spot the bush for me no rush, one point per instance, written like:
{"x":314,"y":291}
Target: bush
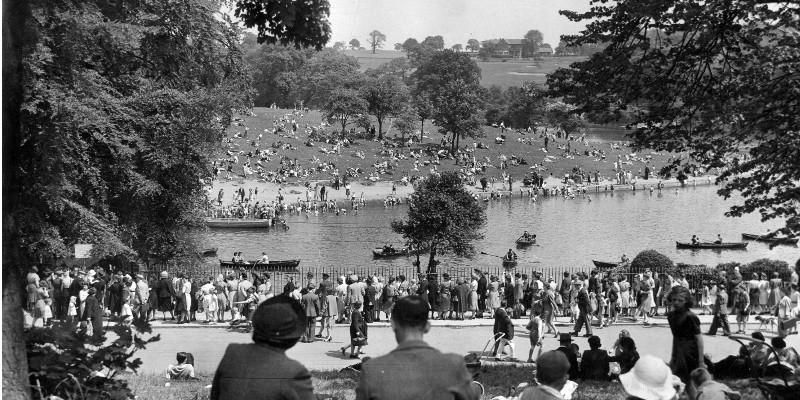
{"x":699,"y":275}
{"x":65,"y":363}
{"x":767,"y":266}
{"x":652,"y":260}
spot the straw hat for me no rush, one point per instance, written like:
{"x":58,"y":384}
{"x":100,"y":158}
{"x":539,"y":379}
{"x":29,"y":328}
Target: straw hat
{"x":649,"y":379}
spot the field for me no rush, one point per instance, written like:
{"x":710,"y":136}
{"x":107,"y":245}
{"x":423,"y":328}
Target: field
{"x":528,"y":147}
{"x":502,"y":73}
{"x":341,"y":385}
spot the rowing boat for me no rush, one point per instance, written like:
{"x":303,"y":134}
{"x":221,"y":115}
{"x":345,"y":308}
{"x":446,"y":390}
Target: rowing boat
{"x":380,"y":252}
{"x":605,"y":265}
{"x":210,"y":252}
{"x":710,"y":245}
{"x":509,"y":263}
{"x":772,"y":240}
{"x":277,"y":265}
{"x":525,"y":242}
{"x":230,"y":223}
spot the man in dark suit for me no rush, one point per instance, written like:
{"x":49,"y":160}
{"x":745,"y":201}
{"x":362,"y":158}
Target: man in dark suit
{"x":310,"y":303}
{"x":261,"y":370}
{"x":584,"y":308}
{"x":566,"y":286}
{"x":483,"y":286}
{"x":594,"y":362}
{"x":414,"y":370}
{"x":720,"y":310}
{"x":565,"y":340}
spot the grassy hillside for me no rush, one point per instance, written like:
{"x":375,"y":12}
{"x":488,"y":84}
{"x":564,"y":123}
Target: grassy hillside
{"x":502,"y":73}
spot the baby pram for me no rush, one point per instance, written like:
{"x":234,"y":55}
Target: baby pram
{"x":487,"y":358}
{"x":775,"y":379}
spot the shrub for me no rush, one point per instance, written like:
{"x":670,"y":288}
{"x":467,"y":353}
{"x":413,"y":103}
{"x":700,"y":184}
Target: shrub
{"x":767,"y":266}
{"x":65,"y":363}
{"x":652,"y":260}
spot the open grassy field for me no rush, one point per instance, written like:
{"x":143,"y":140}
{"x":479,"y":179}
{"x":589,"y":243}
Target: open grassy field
{"x":528,"y":147}
{"x":342,"y":385}
{"x":503,"y":73}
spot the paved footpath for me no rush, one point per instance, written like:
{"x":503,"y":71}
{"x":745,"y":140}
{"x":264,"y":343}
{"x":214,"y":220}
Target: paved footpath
{"x":208,"y":343}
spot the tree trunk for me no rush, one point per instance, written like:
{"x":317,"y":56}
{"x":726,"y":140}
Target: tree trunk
{"x":344,"y":125}
{"x":432,"y":262}
{"x":421,"y":129}
{"x":380,"y":128}
{"x":16,"y":14}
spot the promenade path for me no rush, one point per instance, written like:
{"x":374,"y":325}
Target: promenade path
{"x":208,"y":343}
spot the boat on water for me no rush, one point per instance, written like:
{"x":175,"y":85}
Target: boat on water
{"x":711,"y":245}
{"x":605,"y":264}
{"x":522,"y":241}
{"x":383,"y":252}
{"x":277,"y":265}
{"x":240,"y":223}
{"x":210,"y":252}
{"x":771,"y":240}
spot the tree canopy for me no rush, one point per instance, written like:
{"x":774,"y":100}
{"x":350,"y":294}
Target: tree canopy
{"x":443,"y":217}
{"x":451,"y":82}
{"x":473,"y":45}
{"x":385,"y":96}
{"x":343,"y":104}
{"x":355,"y":44}
{"x":718,"y":79}
{"x":301,"y":23}
{"x":376,"y":40}
{"x":533,"y":40}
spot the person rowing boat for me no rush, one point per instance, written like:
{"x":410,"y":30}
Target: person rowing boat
{"x":528,"y":236}
{"x":510,"y":256}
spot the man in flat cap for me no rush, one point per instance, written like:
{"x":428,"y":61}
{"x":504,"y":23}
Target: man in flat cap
{"x":261,"y":370}
{"x":414,"y":370}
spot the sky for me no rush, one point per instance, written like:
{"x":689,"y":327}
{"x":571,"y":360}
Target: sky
{"x":456,"y":20}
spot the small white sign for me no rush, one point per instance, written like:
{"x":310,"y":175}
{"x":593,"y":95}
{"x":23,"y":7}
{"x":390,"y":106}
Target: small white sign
{"x":83,"y":250}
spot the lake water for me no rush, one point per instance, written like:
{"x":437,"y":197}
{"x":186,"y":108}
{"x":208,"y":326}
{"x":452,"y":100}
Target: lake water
{"x":570,"y":233}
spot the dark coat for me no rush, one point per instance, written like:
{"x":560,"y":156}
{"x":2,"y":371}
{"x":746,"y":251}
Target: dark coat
{"x":594,"y":365}
{"x":260,"y":371}
{"x":310,"y":302}
{"x":422,"y":290}
{"x":415,"y":370}
{"x":574,"y":370}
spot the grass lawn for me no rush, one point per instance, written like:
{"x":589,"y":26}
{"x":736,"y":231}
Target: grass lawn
{"x":341,"y":385}
{"x":554,"y":161}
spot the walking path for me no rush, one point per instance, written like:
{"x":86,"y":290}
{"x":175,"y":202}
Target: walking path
{"x":460,"y":337}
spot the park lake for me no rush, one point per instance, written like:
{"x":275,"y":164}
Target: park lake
{"x":571,"y":232}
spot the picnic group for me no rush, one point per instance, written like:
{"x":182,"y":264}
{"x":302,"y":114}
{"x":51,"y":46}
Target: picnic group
{"x":280,"y":319}
{"x":270,"y":157}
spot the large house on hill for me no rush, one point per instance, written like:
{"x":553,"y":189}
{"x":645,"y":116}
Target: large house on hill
{"x":511,"y":49}
{"x":544,"y":50}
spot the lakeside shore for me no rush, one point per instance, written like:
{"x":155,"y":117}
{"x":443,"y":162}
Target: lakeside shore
{"x":378,"y":191}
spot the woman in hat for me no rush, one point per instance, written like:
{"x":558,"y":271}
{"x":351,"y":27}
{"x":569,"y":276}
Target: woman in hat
{"x":93,"y":314}
{"x":261,"y":369}
{"x":687,"y":341}
{"x":166,"y":292}
{"x":651,"y":379}
{"x":494,"y":295}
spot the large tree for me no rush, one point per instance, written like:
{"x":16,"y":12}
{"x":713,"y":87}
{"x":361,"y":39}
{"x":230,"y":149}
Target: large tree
{"x":533,"y":40}
{"x":320,"y":75}
{"x":443,"y":217}
{"x":451,"y":82}
{"x":719,"y":79}
{"x":375,"y":40}
{"x":344,"y":104}
{"x":385,"y":95}
{"x":434,"y":42}
{"x":355,"y":44}
{"x":473,"y":45}
{"x":273,"y":71}
{"x":108,"y":116}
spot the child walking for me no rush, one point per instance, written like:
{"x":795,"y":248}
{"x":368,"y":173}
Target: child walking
{"x":536,"y":333}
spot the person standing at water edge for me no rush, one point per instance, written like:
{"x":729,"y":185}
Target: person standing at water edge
{"x":414,"y":370}
{"x":261,"y":369}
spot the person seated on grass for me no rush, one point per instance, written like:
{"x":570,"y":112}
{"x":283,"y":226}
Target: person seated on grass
{"x":594,"y":362}
{"x":651,"y":379}
{"x":183,"y":370}
{"x":708,"y":389}
{"x":625,"y":354}
{"x":552,"y":372}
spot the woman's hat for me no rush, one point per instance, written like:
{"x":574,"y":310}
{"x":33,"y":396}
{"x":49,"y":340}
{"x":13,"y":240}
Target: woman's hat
{"x":649,"y":379}
{"x":164,"y":274}
{"x":278,"y":319}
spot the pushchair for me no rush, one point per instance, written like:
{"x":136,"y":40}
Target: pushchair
{"x":776,"y":380}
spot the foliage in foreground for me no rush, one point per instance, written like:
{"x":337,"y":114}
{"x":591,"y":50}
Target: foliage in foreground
{"x":717,"y":78}
{"x":66,"y":363}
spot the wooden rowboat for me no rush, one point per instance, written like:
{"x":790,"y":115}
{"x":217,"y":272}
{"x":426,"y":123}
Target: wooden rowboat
{"x":277,"y":265}
{"x":710,"y":245}
{"x":509,"y":263}
{"x":775,"y":240}
{"x":238,"y":223}
{"x":525,"y":242}
{"x":380,"y":252}
{"x":210,"y":252}
{"x":605,"y":265}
